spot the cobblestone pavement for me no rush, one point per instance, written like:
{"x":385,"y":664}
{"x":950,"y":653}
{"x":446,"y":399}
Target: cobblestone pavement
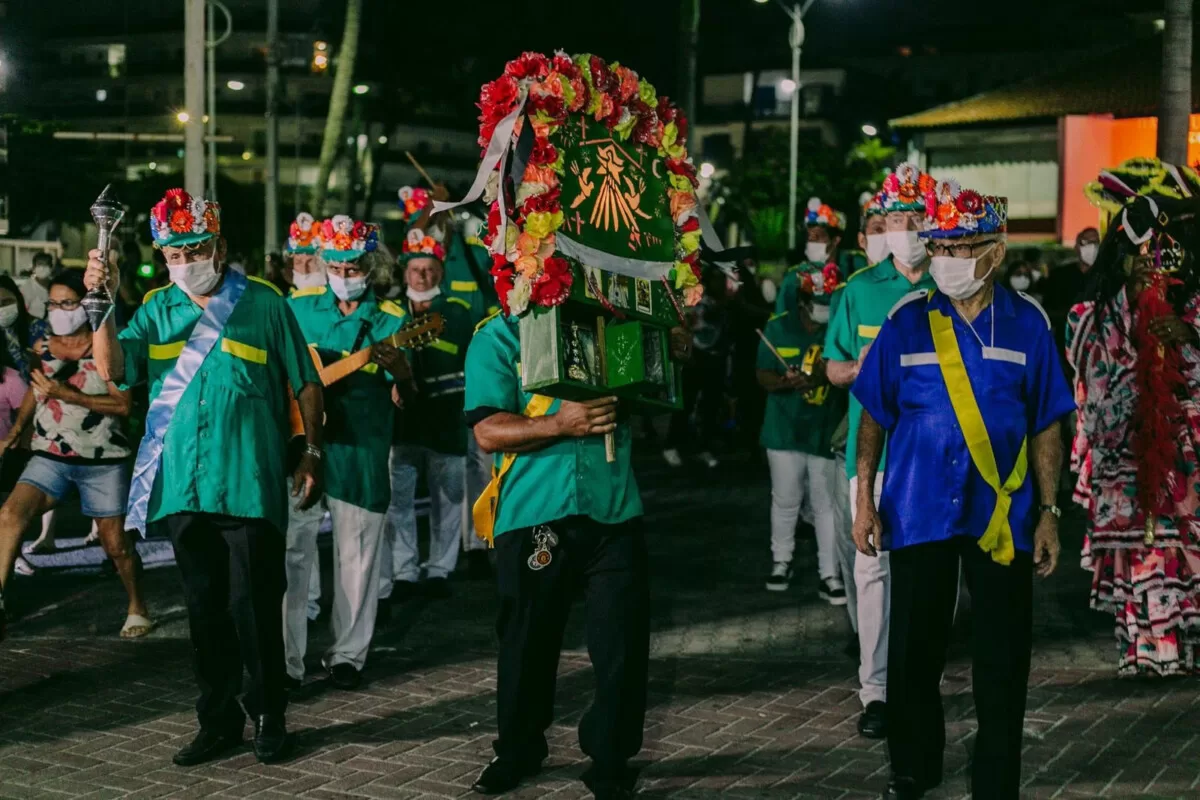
{"x":750,"y":693}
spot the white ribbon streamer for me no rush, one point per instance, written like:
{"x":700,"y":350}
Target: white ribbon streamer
{"x":629,"y":267}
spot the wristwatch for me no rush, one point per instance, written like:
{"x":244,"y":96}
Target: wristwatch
{"x":1055,"y":510}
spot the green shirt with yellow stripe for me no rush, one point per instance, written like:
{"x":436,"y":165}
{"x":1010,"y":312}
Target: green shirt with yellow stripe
{"x":801,"y":421}
{"x":463,"y":261}
{"x":224,"y":451}
{"x":434,"y":418}
{"x":857,"y":316}
{"x":358,"y":409}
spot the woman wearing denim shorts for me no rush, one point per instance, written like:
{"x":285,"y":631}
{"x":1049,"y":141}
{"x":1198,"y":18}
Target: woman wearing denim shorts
{"x":79,"y":440}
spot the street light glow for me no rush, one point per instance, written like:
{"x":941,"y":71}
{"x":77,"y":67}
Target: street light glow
{"x":235,"y":86}
{"x":247,"y":155}
{"x":383,"y":140}
{"x":183,"y":116}
{"x":101,"y":95}
{"x":869,"y":129}
{"x":787,"y":86}
{"x":152,"y":166}
{"x":362,"y":88}
{"x":707,"y":169}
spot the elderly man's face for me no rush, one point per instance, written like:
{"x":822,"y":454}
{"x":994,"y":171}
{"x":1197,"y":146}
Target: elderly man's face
{"x":213,"y":248}
{"x":307,"y":263}
{"x":423,"y":274}
{"x":988,"y":251}
{"x":904,"y":220}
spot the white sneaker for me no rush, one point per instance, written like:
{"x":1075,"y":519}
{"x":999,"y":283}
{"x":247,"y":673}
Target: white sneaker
{"x":831,"y":591}
{"x":23,"y":567}
{"x":672,"y":458}
{"x":708,"y":459}
{"x":781,"y":577}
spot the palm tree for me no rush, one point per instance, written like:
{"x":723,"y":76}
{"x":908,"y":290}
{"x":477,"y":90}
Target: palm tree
{"x":339,"y":99}
{"x":1176,"y":102}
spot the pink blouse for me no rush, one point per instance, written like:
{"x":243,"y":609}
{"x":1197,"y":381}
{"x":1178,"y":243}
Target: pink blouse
{"x":12,"y":392}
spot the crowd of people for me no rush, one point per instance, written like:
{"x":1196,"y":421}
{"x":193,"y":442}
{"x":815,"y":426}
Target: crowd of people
{"x":334,"y":385}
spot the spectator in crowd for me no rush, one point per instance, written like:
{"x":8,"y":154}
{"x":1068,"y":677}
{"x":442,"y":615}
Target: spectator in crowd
{"x":1072,"y":283}
{"x":12,"y":394}
{"x":79,"y":441}
{"x":275,"y":271}
{"x":19,"y":326}
{"x":1021,"y":278}
{"x":749,"y":312}
{"x":37,"y":289}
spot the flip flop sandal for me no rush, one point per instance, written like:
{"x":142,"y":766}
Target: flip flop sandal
{"x":136,"y":626}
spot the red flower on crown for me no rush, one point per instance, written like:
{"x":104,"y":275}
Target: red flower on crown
{"x":528,"y":65}
{"x":553,"y":286}
{"x":969,"y":202}
{"x":181,"y":220}
{"x":833,"y":278}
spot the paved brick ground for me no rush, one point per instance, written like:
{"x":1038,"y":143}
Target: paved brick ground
{"x":750,"y":694}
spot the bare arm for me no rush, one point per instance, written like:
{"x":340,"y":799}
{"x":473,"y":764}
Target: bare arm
{"x":772,"y":381}
{"x":870,"y":449}
{"x":1047,"y":450}
{"x":841,"y":373}
{"x":312,"y":412}
{"x":107,"y":353}
{"x":115,"y":402}
{"x":505,"y":432}
{"x":24,"y":415}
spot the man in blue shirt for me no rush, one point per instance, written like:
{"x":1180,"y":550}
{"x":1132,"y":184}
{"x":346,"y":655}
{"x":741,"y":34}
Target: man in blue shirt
{"x":967,"y":384}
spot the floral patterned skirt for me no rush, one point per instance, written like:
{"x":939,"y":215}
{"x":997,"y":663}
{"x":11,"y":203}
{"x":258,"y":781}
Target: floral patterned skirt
{"x":1154,"y":594}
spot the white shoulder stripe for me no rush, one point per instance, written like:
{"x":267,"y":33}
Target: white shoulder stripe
{"x":1038,"y":306}
{"x":908,"y":298}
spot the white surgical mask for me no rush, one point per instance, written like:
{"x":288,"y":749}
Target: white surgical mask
{"x":347,"y":289}
{"x":422,"y":297}
{"x":955,"y":277}
{"x":8,"y":315}
{"x":907,"y":247}
{"x":877,"y":247}
{"x":42,"y":272}
{"x":63,"y":322}
{"x":307,"y":280}
{"x":816,"y":252}
{"x":819,"y":313}
{"x":197,"y":278}
{"x":1087,"y":253}
{"x":1021,"y":283}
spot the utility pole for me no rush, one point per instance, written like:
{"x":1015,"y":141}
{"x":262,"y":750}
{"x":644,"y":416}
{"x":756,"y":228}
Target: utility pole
{"x":1175,"y":103}
{"x":193,"y":95}
{"x":272,"y":218}
{"x":210,"y":58}
{"x":796,"y":40}
{"x":689,"y":30}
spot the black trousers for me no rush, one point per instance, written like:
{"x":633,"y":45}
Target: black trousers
{"x":924,"y":589}
{"x":703,"y":391}
{"x":234,"y":581}
{"x":606,"y":564}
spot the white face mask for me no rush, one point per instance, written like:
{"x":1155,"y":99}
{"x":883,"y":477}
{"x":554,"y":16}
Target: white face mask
{"x":197,"y":278}
{"x":907,"y":247}
{"x":8,"y":315}
{"x":877,"y":247}
{"x":308,"y":280}
{"x":63,"y":323}
{"x":42,"y":272}
{"x":955,"y":277}
{"x":1021,"y":283}
{"x":422,"y":297}
{"x":816,"y":252}
{"x":1087,"y":253}
{"x":819,"y":313}
{"x":347,"y":289}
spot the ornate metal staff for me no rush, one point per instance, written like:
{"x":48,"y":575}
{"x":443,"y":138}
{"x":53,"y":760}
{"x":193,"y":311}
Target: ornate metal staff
{"x":107,"y":212}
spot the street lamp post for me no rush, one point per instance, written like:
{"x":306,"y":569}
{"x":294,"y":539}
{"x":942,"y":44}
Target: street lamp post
{"x":211,"y":46}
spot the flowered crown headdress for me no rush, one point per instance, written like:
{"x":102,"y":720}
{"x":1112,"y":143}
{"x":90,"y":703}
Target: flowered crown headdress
{"x":180,"y":219}
{"x":905,"y":189}
{"x":418,"y":244}
{"x":871,"y":204}
{"x":821,"y":214}
{"x":345,"y":239}
{"x":952,"y":212}
{"x":1146,"y":195}
{"x":413,"y":200}
{"x":304,"y":235}
{"x":820,"y":282}
{"x":630,"y":198}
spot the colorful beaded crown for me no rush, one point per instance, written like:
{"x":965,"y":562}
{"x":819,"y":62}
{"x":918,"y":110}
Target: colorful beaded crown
{"x":304,"y":235}
{"x":345,"y":239}
{"x":180,"y":219}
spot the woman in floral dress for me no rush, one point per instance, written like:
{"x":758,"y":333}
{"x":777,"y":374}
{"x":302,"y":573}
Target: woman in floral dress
{"x":1135,"y":348}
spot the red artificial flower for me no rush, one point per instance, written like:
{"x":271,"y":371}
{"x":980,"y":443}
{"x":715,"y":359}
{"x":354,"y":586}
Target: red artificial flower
{"x":692,"y":258}
{"x":497,"y":98}
{"x":502,"y":274}
{"x":666,"y":111}
{"x":613,"y":117}
{"x":692,"y":224}
{"x":583,"y":95}
{"x":551,"y":106}
{"x":177,"y":198}
{"x":160,"y":211}
{"x":565,"y":65}
{"x":925,"y":183}
{"x":182,"y":220}
{"x":833,"y":278}
{"x":628,"y":86}
{"x":648,"y":130}
{"x":697,"y":271}
{"x":543,"y":152}
{"x":602,"y":78}
{"x":547,"y":202}
{"x":358,"y":230}
{"x":528,"y":65}
{"x":682,"y":124}
{"x":553,"y":286}
{"x":969,"y":202}
{"x":327,"y":230}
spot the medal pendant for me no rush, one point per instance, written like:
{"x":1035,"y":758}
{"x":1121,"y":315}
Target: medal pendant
{"x":540,"y":559}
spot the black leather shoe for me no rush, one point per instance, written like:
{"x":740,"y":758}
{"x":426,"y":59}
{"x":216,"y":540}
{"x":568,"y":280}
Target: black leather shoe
{"x":873,"y":722}
{"x":345,"y":676}
{"x":504,"y":775}
{"x":271,"y":740}
{"x":902,"y":789}
{"x":208,"y":744}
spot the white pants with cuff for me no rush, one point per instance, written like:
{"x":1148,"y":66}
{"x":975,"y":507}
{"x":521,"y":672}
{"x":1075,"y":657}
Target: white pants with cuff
{"x":357,"y":533}
{"x":794,"y":476}
{"x":845,"y":550}
{"x":446,"y":477}
{"x":872,"y":580}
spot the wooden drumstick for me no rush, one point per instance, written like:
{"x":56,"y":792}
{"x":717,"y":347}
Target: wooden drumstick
{"x":420,"y":169}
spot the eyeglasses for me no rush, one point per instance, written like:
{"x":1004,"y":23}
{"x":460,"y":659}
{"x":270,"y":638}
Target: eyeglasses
{"x":65,"y":305}
{"x":959,"y":250}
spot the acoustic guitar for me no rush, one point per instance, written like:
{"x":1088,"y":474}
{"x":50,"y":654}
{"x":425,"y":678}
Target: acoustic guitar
{"x":417,"y":334}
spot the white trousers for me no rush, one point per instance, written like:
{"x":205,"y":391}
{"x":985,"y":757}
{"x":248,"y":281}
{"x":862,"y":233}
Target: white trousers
{"x":845,"y":550}
{"x":446,"y":478}
{"x":357,"y":533}
{"x":479,"y":473}
{"x":794,"y":476}
{"x":872,"y":580}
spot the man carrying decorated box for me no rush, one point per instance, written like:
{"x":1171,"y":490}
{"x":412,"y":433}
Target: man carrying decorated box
{"x":219,"y":351}
{"x":339,"y":319}
{"x":430,"y":435}
{"x":861,"y":309}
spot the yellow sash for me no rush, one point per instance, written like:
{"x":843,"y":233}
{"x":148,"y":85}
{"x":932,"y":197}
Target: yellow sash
{"x":485,"y":508}
{"x":998,"y":538}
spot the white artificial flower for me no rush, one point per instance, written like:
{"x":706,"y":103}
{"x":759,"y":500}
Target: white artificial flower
{"x":405,"y":193}
{"x":814,"y":204}
{"x":530,"y":189}
{"x":415,"y":236}
{"x":304,"y":220}
{"x":342,"y":223}
{"x":948,"y":189}
{"x":491,"y":190}
{"x":518,"y":296}
{"x":907,"y":173}
{"x":197,"y":209}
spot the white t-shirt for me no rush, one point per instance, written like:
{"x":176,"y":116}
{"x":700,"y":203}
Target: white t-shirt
{"x":36,"y":296}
